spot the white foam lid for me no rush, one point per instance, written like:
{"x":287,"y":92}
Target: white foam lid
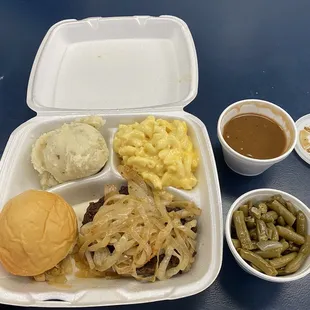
{"x":114,"y":63}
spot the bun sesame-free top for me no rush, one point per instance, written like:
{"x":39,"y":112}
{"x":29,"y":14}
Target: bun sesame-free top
{"x":37,"y":230}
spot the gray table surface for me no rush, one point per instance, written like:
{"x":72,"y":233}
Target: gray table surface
{"x":246,"y":49}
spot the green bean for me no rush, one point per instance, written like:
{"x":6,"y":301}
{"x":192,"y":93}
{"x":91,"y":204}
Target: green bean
{"x":285,"y":245}
{"x":262,"y":207}
{"x":269,"y":217}
{"x":253,"y":234}
{"x":282,"y":261}
{"x":256,"y":268}
{"x":288,"y":217}
{"x":290,"y":228}
{"x":255,"y":212}
{"x":255,"y":247}
{"x":250,"y":222}
{"x":270,"y":253}
{"x":296,"y":263}
{"x":269,"y":245}
{"x":261,"y":230}
{"x":292,"y":247}
{"x":269,"y":233}
{"x":301,"y":223}
{"x":290,"y":235}
{"x":245,"y":210}
{"x":289,"y":206}
{"x":281,"y":221}
{"x":281,"y":272}
{"x":279,"y":198}
{"x":267,"y":221}
{"x":242,"y":231}
{"x":275,"y":235}
{"x":305,"y":248}
{"x":236,"y":243}
{"x":258,"y":262}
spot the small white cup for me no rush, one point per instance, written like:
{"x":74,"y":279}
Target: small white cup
{"x":258,"y":195}
{"x":250,"y":166}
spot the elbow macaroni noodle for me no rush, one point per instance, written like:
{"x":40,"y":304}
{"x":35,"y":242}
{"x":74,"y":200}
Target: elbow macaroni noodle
{"x":160,"y":151}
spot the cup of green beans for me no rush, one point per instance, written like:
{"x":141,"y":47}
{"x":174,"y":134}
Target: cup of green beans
{"x":268,"y":233}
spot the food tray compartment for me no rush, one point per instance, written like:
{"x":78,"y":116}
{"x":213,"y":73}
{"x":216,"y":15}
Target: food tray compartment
{"x":17,"y":174}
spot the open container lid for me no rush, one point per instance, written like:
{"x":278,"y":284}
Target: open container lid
{"x":112,"y":64}
{"x":303,"y":142}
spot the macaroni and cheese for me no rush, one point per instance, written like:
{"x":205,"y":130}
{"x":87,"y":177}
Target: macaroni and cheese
{"x":160,"y":151}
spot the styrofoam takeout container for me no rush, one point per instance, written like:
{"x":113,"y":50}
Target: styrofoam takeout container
{"x":123,"y":68}
{"x":258,"y":195}
{"x":251,"y":166}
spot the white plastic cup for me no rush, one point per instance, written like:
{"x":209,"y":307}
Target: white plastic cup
{"x":258,"y":195}
{"x":250,"y":166}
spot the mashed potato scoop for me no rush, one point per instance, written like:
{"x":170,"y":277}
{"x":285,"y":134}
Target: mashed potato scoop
{"x":71,"y":152}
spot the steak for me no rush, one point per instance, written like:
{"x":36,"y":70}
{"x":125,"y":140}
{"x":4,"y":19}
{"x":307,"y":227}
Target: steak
{"x":94,"y":207}
{"x":149,"y":268}
{"x":124,"y":190}
{"x":183,"y":221}
{"x":92,"y":210}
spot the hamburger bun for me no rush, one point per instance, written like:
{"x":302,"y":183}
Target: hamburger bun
{"x":37,"y":230}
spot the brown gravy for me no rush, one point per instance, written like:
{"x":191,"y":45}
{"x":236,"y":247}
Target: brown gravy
{"x":255,"y":136}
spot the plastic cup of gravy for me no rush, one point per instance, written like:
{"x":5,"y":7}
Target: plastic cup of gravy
{"x":255,"y":134}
